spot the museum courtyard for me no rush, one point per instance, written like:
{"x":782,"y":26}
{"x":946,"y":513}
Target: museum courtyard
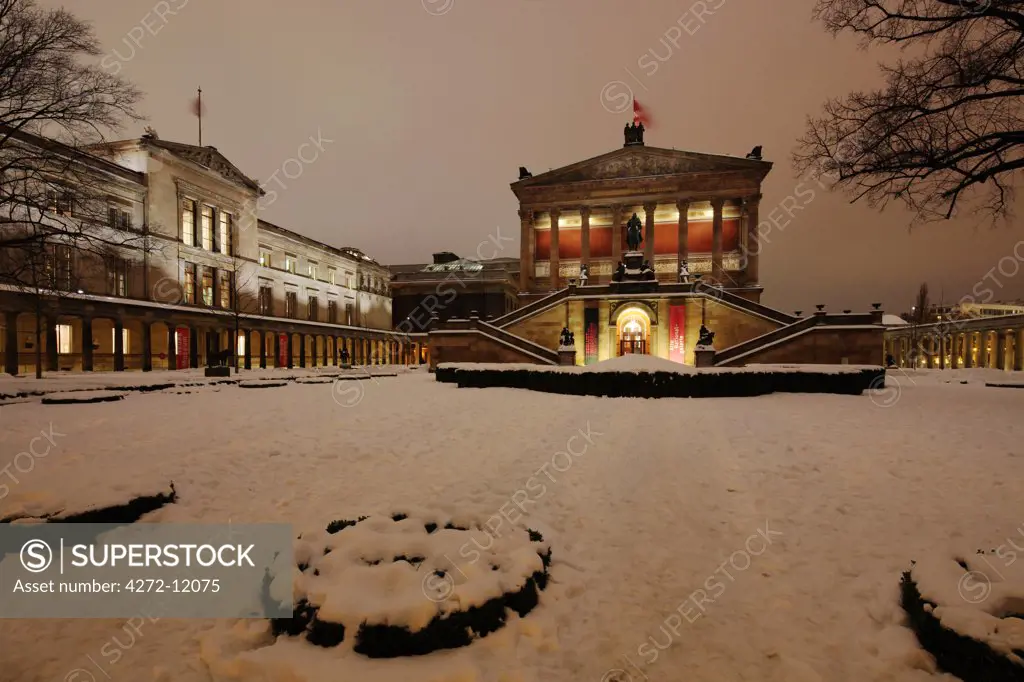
{"x":699,"y":539}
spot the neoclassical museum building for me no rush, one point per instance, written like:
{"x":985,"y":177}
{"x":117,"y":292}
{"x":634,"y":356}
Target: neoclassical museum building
{"x":697,"y":216}
{"x":186,"y":262}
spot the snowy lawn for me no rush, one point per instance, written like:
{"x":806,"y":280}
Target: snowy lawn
{"x":706,"y":540}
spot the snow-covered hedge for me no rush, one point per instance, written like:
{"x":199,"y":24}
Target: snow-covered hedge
{"x":401,"y":586}
{"x":969,"y":614}
{"x":716,"y":383}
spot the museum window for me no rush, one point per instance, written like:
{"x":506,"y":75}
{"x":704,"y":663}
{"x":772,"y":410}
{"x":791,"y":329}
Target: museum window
{"x":265,"y":257}
{"x":206,"y":222}
{"x":332,"y":275}
{"x":190,"y":283}
{"x":188,"y":222}
{"x":332,"y":312}
{"x":124,"y":339}
{"x":208,"y":286}
{"x":225,"y":289}
{"x":57,"y":264}
{"x":311,"y":269}
{"x":291,"y":304}
{"x":225,"y":232}
{"x":61,"y":201}
{"x":349,"y":313}
{"x":289,"y":262}
{"x":266,"y":298}
{"x":312,"y":306}
{"x":63,"y":339}
{"x":117,"y":277}
{"x":119,"y":217}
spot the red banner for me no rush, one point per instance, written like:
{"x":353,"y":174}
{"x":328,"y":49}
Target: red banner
{"x":182,"y":347}
{"x":677,"y":333}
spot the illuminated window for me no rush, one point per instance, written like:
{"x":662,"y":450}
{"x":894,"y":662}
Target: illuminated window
{"x":225,"y":233}
{"x":188,"y":222}
{"x":332,"y":275}
{"x":208,"y":286}
{"x":266,"y":298}
{"x":225,"y":289}
{"x":190,"y":283}
{"x":291,"y":303}
{"x":265,"y":257}
{"x":312,"y":306}
{"x":124,"y":339}
{"x":64,"y":339}
{"x":289,"y":262}
{"x":206,"y":221}
{"x":311,"y":270}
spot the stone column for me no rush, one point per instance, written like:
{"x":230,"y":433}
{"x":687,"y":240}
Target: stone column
{"x":983,"y":349}
{"x":262,"y":336}
{"x":649,"y":209}
{"x":553,"y":259}
{"x":954,"y":356}
{"x":753,"y":248}
{"x":943,"y":347}
{"x":616,"y":235}
{"x":968,"y":350}
{"x":290,"y":350}
{"x":51,"y":343}
{"x":717,"y":273}
{"x":326,"y":350}
{"x":87,"y":363}
{"x":247,"y":358}
{"x":683,"y":247}
{"x":172,"y":346}
{"x":11,"y":342}
{"x":1001,"y":349}
{"x":302,"y":350}
{"x":585,"y":236}
{"x":527,"y":250}
{"x":118,"y":346}
{"x":147,"y":347}
{"x":1018,"y":350}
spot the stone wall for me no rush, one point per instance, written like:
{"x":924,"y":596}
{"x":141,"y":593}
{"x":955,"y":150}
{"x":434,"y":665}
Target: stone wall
{"x":823,"y":345}
{"x":472,"y":346}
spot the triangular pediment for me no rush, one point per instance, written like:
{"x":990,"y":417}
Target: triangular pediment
{"x":642,"y":162}
{"x":210,"y":158}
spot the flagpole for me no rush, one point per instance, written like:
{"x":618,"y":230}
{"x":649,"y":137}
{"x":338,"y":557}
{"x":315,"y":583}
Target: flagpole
{"x":199,"y":111}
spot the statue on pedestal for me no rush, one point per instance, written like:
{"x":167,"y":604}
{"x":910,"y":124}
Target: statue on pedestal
{"x":620,"y":272}
{"x":634,"y":233}
{"x":566,"y":339}
{"x":706,"y":338}
{"x":646,"y":271}
{"x":684,"y":273}
{"x":584,"y":274}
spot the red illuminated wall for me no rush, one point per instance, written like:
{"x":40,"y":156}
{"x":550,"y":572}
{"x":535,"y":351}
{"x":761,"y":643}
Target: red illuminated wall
{"x":666,"y":238}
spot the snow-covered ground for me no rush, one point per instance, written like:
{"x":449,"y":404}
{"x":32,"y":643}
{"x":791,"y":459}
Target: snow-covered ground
{"x":706,"y":540}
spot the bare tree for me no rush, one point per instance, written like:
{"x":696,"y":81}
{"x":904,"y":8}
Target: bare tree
{"x":56,"y":222}
{"x":946,"y":128}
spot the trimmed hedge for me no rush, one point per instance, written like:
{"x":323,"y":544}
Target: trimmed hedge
{"x":957,"y":654}
{"x":714,"y":384}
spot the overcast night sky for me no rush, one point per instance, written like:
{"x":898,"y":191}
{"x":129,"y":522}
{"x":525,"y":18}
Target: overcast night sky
{"x":432,"y":106}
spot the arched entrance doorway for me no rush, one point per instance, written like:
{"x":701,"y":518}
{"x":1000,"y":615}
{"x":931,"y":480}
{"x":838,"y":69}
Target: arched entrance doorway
{"x":633,"y":332}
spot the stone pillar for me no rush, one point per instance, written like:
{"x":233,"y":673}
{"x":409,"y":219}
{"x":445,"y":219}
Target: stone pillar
{"x":247,"y":358}
{"x":51,"y":344}
{"x":954,"y":356}
{"x":118,"y":346}
{"x":585,"y":236}
{"x":11,"y":342}
{"x":683,"y":247}
{"x":983,"y":349}
{"x":302,"y":350}
{"x":969,"y":350}
{"x":314,"y":349}
{"x":290,"y":350}
{"x":616,"y":235}
{"x":717,"y":273}
{"x":932,"y":348}
{"x":172,"y":346}
{"x":147,"y":347}
{"x":943,"y":348}
{"x":753,"y":248}
{"x":1001,"y":349}
{"x":1018,"y":350}
{"x":325,"y":351}
{"x":553,"y":259}
{"x":87,"y":363}
{"x":335,"y":342}
{"x":262,"y":336}
{"x":649,"y":209}
{"x":527,"y":250}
